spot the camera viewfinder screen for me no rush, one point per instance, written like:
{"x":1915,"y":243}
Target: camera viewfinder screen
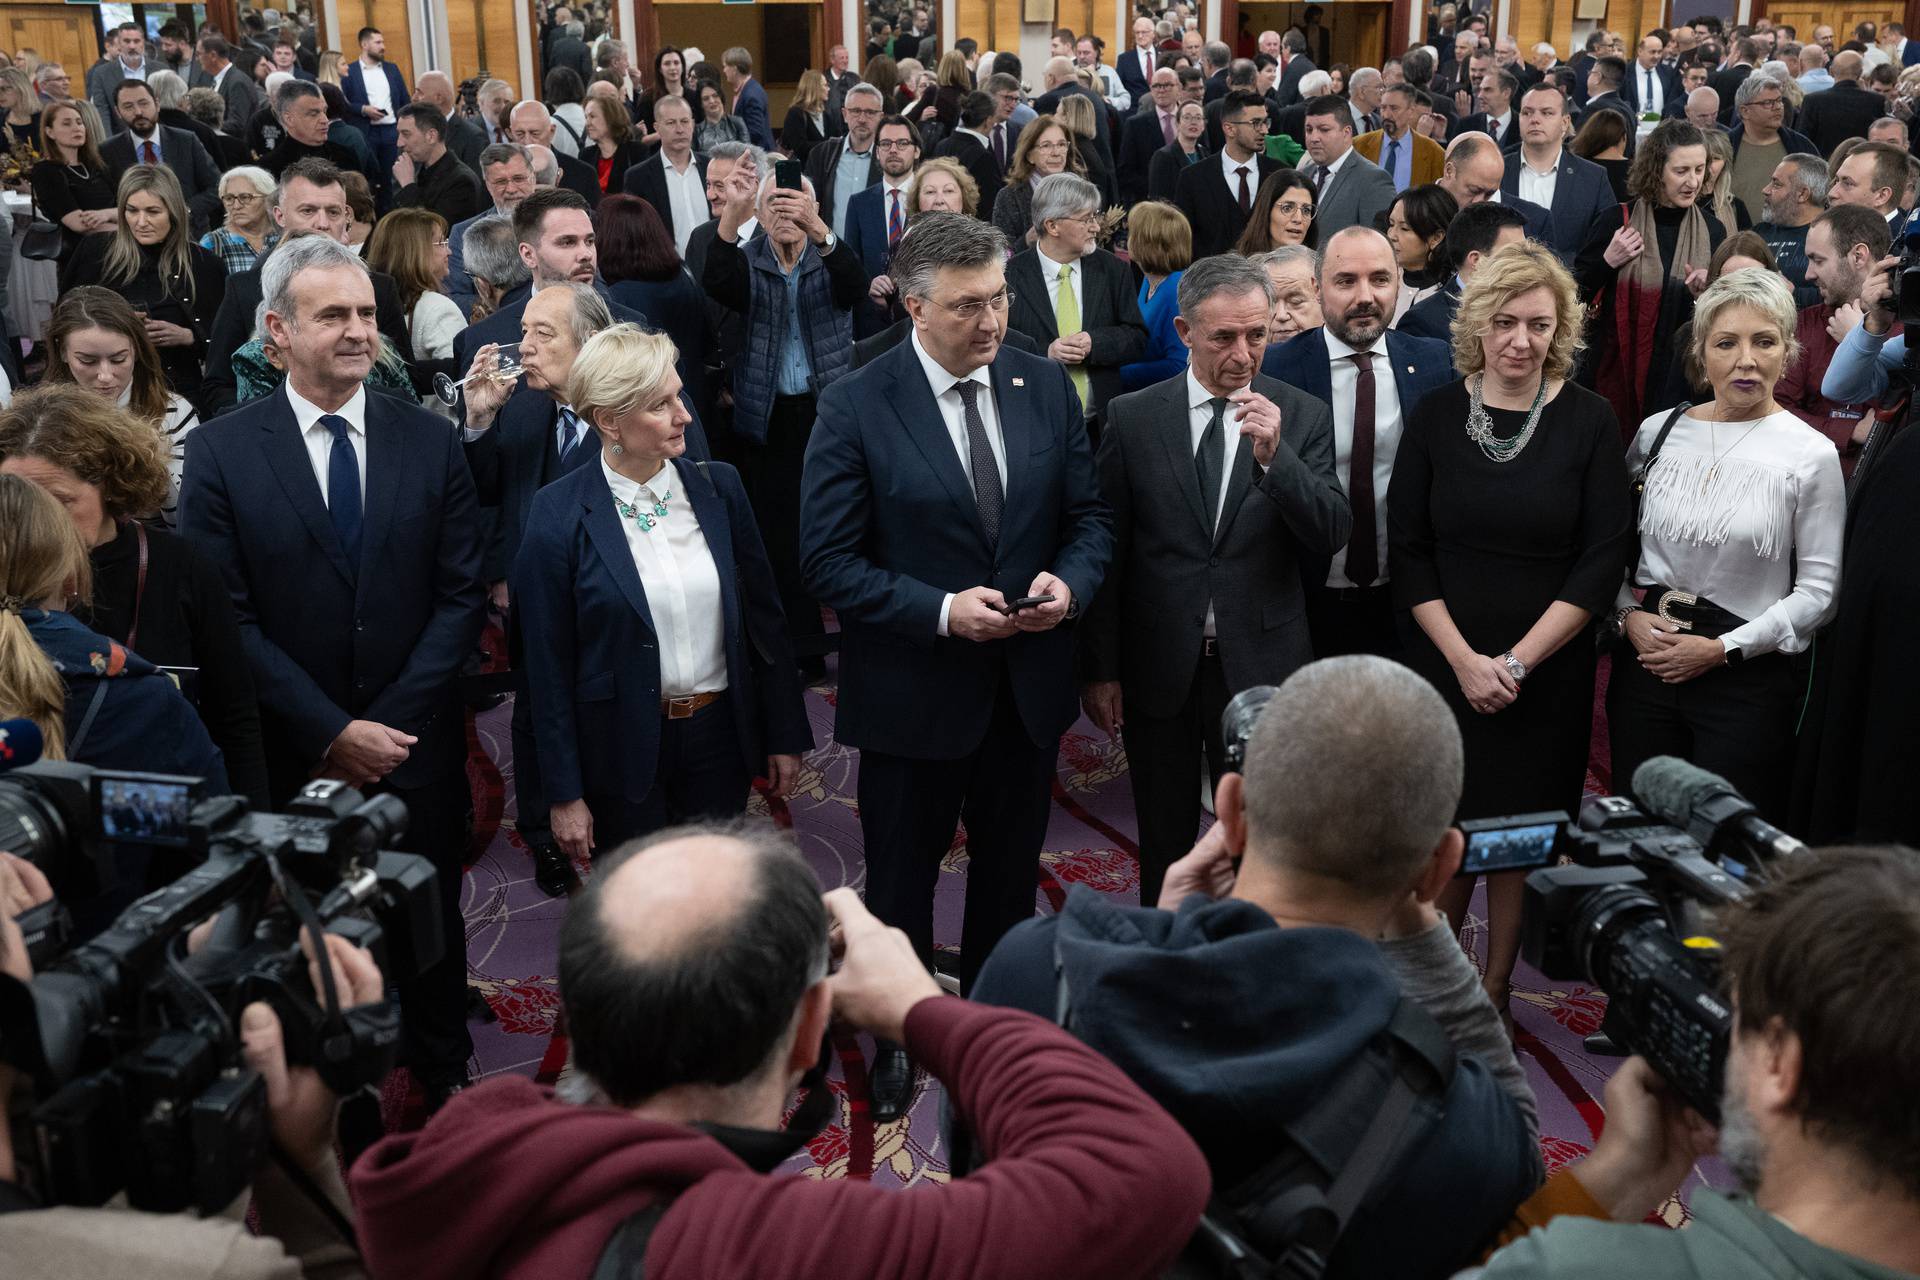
{"x":145,"y":810}
{"x":1511,"y":849}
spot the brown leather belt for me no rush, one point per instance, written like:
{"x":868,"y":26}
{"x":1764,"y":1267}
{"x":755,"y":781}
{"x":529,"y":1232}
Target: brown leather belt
{"x":681,"y":708}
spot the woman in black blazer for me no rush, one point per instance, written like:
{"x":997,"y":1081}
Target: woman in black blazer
{"x":609,"y":146}
{"x":663,"y":682}
{"x":1189,"y":128}
{"x":807,"y":124}
{"x":150,"y":259}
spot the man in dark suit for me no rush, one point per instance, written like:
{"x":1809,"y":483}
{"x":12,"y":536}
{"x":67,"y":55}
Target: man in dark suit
{"x":1651,"y":85}
{"x":427,"y":175}
{"x":1137,"y":65}
{"x":1579,"y":190}
{"x":651,"y":181}
{"x":465,"y":138}
{"x":829,"y":163}
{"x":531,"y":124}
{"x":1215,"y":204}
{"x":375,"y":93}
{"x":877,"y":217}
{"x":946,"y":481}
{"x":1847,"y":110}
{"x":309,"y":199}
{"x":126,"y":60}
{"x":1603,"y":94}
{"x":1286,"y":90}
{"x":1746,"y":56}
{"x":1349,"y":189}
{"x":1473,"y":173}
{"x":1204,"y":598}
{"x":1373,"y":378}
{"x":1496,"y":117}
{"x":1074,"y":298}
{"x":144,"y":140}
{"x":1476,"y":232}
{"x":507,"y":171}
{"x":345,"y":525}
{"x":968,"y":145}
{"x":236,"y":88}
{"x":170,"y":91}
{"x":749,"y":99}
{"x":1061,"y":81}
{"x":1145,"y":132}
{"x":569,"y":49}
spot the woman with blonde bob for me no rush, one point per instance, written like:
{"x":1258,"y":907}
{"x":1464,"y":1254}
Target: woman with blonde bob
{"x":1740,"y":531}
{"x":664,"y":682}
{"x":1509,"y":523}
{"x":94,"y":702}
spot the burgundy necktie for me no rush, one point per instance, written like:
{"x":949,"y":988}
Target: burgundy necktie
{"x":148,"y":155}
{"x":1246,"y":193}
{"x":1166,"y":126}
{"x":1000,"y":146}
{"x":1363,"y":549}
{"x":895,"y":223}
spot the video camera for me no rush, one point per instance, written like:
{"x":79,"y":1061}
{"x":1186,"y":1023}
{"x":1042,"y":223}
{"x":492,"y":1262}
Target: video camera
{"x":1633,"y":915}
{"x":131,"y":1043}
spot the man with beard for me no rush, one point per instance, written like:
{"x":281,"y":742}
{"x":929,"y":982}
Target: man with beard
{"x":1372,"y":378}
{"x":374,"y":89}
{"x":1816,"y":1119}
{"x":1843,"y":244}
{"x":1794,"y":196}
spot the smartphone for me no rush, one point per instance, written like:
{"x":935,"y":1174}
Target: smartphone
{"x":1518,"y":843}
{"x":1027,"y":602}
{"x":786,"y":175}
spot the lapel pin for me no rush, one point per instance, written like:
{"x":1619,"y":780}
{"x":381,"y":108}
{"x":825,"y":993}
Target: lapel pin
{"x":1019,"y":382}
{"x":1409,"y":368}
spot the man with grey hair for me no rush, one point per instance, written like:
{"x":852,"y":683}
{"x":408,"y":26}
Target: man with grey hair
{"x":1181,"y":624}
{"x":1321,"y":876}
{"x":1364,"y":87}
{"x":957,"y":678}
{"x":843,"y":167}
{"x":1703,"y":109}
{"x":493,"y":264}
{"x":345,"y":525}
{"x":507,"y":170}
{"x":569,"y":49}
{"x":303,"y":116}
{"x":674,"y":182}
{"x":1794,"y":197}
{"x":546,"y":164}
{"x":494,"y":99}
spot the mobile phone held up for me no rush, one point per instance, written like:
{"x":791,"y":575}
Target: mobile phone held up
{"x":786,"y":175}
{"x":1025,"y":602}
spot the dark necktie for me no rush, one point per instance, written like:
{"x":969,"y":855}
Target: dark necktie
{"x":1166,"y":127}
{"x":1246,"y":193}
{"x":1393,"y":160}
{"x":569,"y":435}
{"x":149,"y":154}
{"x":1206,"y":461}
{"x":1000,"y":147}
{"x":987,"y":493}
{"x":1363,"y":549}
{"x":896,"y":225}
{"x":343,"y":487}
{"x":1646,"y":95}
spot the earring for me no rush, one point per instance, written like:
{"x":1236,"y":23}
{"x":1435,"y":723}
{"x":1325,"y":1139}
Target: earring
{"x":618,"y":450}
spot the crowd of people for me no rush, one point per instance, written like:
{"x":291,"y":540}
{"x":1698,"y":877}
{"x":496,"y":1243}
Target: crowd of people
{"x":1103,"y":389}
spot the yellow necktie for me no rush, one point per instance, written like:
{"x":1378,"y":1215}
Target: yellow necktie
{"x":1066,"y":318}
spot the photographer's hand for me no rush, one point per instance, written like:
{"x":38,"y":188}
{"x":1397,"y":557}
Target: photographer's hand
{"x":880,"y":977}
{"x":22,"y":888}
{"x":300,"y":1107}
{"x":1650,"y":1141}
{"x":1876,"y":295}
{"x":1207,"y":868}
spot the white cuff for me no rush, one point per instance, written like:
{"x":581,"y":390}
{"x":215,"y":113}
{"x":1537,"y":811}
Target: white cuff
{"x":946,"y":606}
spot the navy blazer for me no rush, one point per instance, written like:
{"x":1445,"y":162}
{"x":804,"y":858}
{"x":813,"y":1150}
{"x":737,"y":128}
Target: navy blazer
{"x":329,"y":641}
{"x":755,"y":114}
{"x":1582,"y":195}
{"x":867,"y":227}
{"x":889,"y":527}
{"x":595,"y":675}
{"x":1432,"y":316}
{"x":353,"y":84}
{"x":1419,"y":365}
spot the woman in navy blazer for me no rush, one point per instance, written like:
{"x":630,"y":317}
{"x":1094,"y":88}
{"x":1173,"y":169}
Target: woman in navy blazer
{"x":658,"y":662}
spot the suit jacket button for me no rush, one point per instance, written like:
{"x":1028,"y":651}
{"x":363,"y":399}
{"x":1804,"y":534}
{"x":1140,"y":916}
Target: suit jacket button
{"x":1213,"y":562}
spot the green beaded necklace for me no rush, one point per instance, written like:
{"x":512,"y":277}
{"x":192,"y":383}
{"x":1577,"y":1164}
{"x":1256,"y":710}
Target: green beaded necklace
{"x":646,"y":520}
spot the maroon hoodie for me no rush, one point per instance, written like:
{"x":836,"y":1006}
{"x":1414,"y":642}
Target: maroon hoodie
{"x":1086,"y":1177}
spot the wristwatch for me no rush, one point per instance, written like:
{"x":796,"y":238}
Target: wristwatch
{"x":1620,"y":616}
{"x":1515,"y":668}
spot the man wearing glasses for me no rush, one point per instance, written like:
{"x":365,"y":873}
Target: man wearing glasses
{"x":1218,"y":196}
{"x":846,"y":166}
{"x":1760,"y":138}
{"x":951,"y":519}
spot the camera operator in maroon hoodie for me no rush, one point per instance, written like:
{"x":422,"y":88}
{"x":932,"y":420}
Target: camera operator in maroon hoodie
{"x":694,"y":975}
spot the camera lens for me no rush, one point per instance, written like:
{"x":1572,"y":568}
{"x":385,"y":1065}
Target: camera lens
{"x":1237,"y":721}
{"x":33,"y":823}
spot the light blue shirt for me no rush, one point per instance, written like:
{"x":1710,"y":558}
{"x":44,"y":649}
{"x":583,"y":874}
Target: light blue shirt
{"x":1860,"y":364}
{"x":1815,"y":81}
{"x":849,"y":180}
{"x":794,"y":376}
{"x":1401,"y":168}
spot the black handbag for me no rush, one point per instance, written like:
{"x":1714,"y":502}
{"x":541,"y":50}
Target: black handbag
{"x":43,"y":240}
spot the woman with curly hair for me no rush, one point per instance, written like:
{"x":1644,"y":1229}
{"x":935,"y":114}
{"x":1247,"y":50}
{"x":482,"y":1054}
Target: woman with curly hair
{"x":1509,"y":524}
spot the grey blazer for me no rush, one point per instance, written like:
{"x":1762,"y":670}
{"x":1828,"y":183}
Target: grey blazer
{"x":1145,"y":626}
{"x":1360,"y":192}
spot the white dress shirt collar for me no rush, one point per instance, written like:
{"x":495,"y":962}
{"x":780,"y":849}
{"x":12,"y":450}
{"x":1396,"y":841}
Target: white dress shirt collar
{"x":1338,"y":350}
{"x":306,"y":413}
{"x":937,"y":376}
{"x":1552,"y":166}
{"x":1334,"y":167}
{"x":629,"y":491}
{"x":1231,"y":168}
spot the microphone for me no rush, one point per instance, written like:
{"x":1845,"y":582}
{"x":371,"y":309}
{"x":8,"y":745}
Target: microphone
{"x":20,"y":744}
{"x":1707,"y":807}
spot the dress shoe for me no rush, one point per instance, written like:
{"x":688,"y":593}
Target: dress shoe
{"x":890,"y":1083}
{"x":553,"y":871}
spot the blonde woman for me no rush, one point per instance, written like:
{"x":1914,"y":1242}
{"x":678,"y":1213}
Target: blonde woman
{"x":19,"y":102}
{"x":1717,"y":197}
{"x":1076,"y":113}
{"x":1509,"y":524}
{"x":806,"y":123}
{"x":151,"y":261}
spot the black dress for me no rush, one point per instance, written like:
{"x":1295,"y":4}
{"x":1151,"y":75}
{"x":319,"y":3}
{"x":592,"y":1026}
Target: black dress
{"x":1498,"y":543}
{"x":186,"y":620}
{"x":59,"y":189}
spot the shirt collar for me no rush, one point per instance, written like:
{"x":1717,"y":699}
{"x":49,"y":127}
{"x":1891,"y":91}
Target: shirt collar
{"x":306,"y":412}
{"x":1336,"y":166}
{"x":1553,"y":166}
{"x":1049,"y":269}
{"x":628,"y":491}
{"x":937,"y":376}
{"x":1197,"y":395}
{"x":1338,"y":350}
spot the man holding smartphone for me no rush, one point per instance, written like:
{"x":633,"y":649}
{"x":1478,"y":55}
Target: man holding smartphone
{"x":951,"y":518}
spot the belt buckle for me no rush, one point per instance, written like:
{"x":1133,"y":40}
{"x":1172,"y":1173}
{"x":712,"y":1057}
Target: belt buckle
{"x":1682,"y":598}
{"x":680,"y":708}
{"x":1209,"y":647}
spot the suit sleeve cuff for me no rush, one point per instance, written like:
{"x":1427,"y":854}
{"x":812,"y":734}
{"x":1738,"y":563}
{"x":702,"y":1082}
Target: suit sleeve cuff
{"x":946,"y":606}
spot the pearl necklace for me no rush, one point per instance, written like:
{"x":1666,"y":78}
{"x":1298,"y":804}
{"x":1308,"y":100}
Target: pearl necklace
{"x":1480,"y":424}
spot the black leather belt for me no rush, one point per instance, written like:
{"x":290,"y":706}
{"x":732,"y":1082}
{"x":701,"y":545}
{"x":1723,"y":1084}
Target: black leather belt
{"x":1690,"y":613}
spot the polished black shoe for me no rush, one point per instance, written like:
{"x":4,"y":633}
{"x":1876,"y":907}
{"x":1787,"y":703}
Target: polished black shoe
{"x":890,"y":1083}
{"x":438,"y":1088}
{"x":553,"y":871}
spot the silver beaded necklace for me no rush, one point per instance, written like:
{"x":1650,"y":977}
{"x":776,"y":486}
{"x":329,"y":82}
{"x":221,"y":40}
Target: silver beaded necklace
{"x":1480,"y":423}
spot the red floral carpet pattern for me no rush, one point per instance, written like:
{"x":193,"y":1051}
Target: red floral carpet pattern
{"x":512,"y":933}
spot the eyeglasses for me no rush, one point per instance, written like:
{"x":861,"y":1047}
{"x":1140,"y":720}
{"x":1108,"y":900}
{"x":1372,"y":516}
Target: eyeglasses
{"x":1768,"y":102}
{"x":1091,"y":221}
{"x":439,"y":244}
{"x":1293,"y":210}
{"x":863,"y":113}
{"x":895,"y":144}
{"x":973,"y":308}
{"x":1261,"y":125}
{"x":240,"y":197}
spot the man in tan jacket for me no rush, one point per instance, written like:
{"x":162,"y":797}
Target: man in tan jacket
{"x":1409,"y":158}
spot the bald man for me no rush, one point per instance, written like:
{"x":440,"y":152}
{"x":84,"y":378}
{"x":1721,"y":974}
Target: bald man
{"x":531,"y":125}
{"x":465,"y":138}
{"x":1473,"y":174}
{"x":1847,"y":110}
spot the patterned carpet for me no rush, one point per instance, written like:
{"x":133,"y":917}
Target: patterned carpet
{"x":512,"y":931}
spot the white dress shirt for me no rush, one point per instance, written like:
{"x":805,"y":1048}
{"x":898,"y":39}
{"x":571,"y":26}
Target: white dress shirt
{"x":686,"y":199}
{"x":676,"y":569}
{"x":1747,"y":515}
{"x":1199,"y":417}
{"x":1386,"y":440}
{"x":1536,"y":185}
{"x":953,"y":414}
{"x":379,"y":92}
{"x":1332,"y":171}
{"x":140,"y":143}
{"x":1230,"y":168}
{"x":1653,"y":94}
{"x":319,"y":440}
{"x":1050,"y":275}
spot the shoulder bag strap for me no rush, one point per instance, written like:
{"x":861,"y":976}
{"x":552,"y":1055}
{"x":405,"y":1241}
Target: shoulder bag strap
{"x":625,"y":1257}
{"x":1640,"y":481}
{"x":139,"y":583}
{"x":86,"y":722}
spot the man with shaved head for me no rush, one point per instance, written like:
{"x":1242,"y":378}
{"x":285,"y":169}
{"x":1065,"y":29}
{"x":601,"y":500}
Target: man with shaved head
{"x":531,"y":124}
{"x":1847,"y":110}
{"x":696,"y":983}
{"x":1473,"y":174}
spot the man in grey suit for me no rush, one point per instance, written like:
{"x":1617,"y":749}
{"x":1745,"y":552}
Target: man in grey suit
{"x":1221,"y":482}
{"x":126,"y":60}
{"x":1349,"y":189}
{"x":242,"y":96}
